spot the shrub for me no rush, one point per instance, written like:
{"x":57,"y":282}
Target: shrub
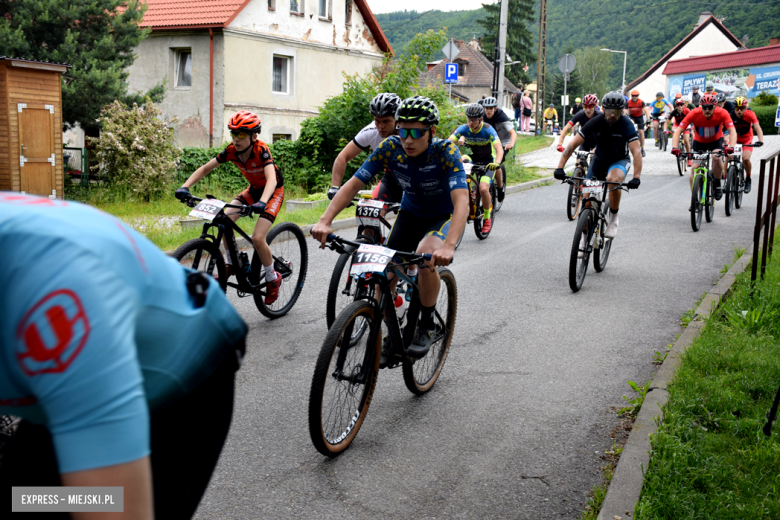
{"x":764,"y":98}
{"x":135,"y":150}
{"x":766,"y":118}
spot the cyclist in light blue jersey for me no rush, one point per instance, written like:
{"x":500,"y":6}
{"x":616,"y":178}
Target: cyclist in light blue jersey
{"x":111,"y":352}
{"x":658,"y":108}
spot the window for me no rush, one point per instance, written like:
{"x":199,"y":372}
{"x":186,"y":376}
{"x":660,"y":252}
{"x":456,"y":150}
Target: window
{"x":348,"y":12}
{"x":461,"y":69}
{"x":272,"y":5}
{"x":296,"y":6}
{"x":324,"y":9}
{"x":281,"y":78}
{"x":184,"y":68}
{"x":280,"y":137}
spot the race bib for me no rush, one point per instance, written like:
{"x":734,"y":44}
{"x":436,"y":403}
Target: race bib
{"x":369,"y":212}
{"x":591,"y":186}
{"x":207,"y":209}
{"x":370,"y":259}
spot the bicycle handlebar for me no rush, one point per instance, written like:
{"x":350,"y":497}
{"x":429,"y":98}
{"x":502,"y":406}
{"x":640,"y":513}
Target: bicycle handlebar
{"x":415,"y":258}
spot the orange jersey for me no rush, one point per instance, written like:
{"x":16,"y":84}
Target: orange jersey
{"x":254,"y":168}
{"x":635,"y":108}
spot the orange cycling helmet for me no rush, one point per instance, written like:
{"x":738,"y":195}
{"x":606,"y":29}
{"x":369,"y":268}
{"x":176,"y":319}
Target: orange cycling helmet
{"x":708,"y":99}
{"x":678,"y":95}
{"x":741,"y":102}
{"x":246,"y":121}
{"x":634,"y":92}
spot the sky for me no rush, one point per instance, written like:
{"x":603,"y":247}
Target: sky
{"x":388,"y":6}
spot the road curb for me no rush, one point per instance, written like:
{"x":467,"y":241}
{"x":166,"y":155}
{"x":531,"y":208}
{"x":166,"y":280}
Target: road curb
{"x":626,"y":485}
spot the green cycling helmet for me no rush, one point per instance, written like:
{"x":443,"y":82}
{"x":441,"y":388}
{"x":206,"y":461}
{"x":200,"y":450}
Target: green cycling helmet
{"x":578,"y":100}
{"x":418,"y":108}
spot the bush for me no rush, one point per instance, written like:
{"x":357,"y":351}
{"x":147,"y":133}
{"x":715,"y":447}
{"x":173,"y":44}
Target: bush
{"x":766,"y":118}
{"x":764,"y":98}
{"x":225,"y":178}
{"x":135,"y":150}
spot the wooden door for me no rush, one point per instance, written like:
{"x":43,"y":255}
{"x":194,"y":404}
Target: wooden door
{"x":36,"y":140}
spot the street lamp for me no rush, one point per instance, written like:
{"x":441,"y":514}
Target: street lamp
{"x":625,"y":59}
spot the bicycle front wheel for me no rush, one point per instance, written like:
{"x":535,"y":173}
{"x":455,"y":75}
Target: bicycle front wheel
{"x":204,"y":256}
{"x":479,"y":220}
{"x":601,"y":254}
{"x":578,"y":261}
{"x":739,"y":188}
{"x":420,"y":375}
{"x":575,"y":197}
{"x":342,"y":289}
{"x":682,"y":162}
{"x":730,"y":189}
{"x":696,"y":205}
{"x":344,"y":380}
{"x":291,"y":259}
{"x":496,"y":203}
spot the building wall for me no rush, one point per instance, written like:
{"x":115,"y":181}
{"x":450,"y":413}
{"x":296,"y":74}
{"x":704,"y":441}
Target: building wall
{"x":155,"y":61}
{"x":709,"y":41}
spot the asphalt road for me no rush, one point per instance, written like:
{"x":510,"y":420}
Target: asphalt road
{"x":516,"y":423}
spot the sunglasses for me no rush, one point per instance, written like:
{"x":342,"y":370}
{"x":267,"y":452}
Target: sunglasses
{"x":707,"y":107}
{"x":416,"y":133}
{"x":612,"y":111}
{"x":239,"y":134}
{"x":589,"y":106}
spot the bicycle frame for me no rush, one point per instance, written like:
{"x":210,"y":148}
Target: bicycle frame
{"x":703,"y":169}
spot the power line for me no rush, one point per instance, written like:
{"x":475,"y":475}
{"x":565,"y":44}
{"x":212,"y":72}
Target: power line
{"x":406,"y":22}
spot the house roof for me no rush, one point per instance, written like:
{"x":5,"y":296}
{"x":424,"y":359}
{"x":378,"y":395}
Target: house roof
{"x":195,"y":14}
{"x":725,"y":60}
{"x":425,"y":79}
{"x":479,"y":72}
{"x":25,"y":60}
{"x":668,"y":56}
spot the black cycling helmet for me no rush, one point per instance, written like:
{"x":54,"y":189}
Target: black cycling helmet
{"x":613,"y":100}
{"x":384,"y":104}
{"x":489,"y":102}
{"x":475,"y":110}
{"x":418,"y":108}
{"x":550,"y":106}
{"x":659,"y":94}
{"x":721,"y":97}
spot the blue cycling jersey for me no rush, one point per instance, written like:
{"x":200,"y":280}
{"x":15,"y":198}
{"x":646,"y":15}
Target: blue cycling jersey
{"x":481,"y":142}
{"x":658,"y":105}
{"x":427,"y":179}
{"x":98,"y":328}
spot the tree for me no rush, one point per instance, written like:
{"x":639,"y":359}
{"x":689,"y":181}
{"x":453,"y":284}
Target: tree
{"x":519,"y":40}
{"x":96,"y":37}
{"x":593,"y":68}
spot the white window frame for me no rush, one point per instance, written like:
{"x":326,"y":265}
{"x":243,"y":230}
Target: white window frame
{"x":348,"y":12}
{"x":298,"y":6}
{"x":289,"y":75}
{"x":326,"y":16}
{"x":272,"y":5}
{"x":177,"y":63}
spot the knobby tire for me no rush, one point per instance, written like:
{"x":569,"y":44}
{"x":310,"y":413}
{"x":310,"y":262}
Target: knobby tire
{"x":290,"y":253}
{"x":696,"y":206}
{"x":578,"y":267}
{"x":204,"y":256}
{"x":601,"y":255}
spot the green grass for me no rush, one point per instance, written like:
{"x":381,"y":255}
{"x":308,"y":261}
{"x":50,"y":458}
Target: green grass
{"x":525,"y":144}
{"x":710,"y":458}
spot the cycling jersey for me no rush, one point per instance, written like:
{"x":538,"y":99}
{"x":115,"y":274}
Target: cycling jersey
{"x":677,"y":117}
{"x":658,"y":105}
{"x":636,"y":108}
{"x":581,"y":118}
{"x":254,"y":169}
{"x":98,"y":329}
{"x":575,"y":109}
{"x":695,"y":99}
{"x":707,"y":129}
{"x":368,"y":137}
{"x":550,"y":113}
{"x":744,"y":125}
{"x":481,"y":142}
{"x":502,"y":125}
{"x":611,"y":140}
{"x":427,"y":179}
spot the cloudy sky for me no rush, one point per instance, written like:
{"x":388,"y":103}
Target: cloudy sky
{"x":386,"y":6}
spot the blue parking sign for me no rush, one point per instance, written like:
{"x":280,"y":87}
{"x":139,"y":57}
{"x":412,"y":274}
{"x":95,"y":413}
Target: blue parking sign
{"x":451,"y":73}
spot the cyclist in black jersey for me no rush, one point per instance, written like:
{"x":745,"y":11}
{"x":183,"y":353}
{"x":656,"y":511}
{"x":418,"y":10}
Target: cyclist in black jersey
{"x":506,"y":133}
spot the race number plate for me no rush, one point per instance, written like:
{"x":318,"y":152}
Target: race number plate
{"x":370,"y":211}
{"x":207,"y":209}
{"x":737,"y":150}
{"x":591,"y":186}
{"x":371,"y":259}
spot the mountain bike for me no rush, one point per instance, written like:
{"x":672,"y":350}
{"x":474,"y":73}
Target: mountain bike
{"x":203,"y":254}
{"x":735,"y":181}
{"x":589,"y":233}
{"x":702,"y":198}
{"x":663,"y":133}
{"x":476,"y":211}
{"x":347,"y":367}
{"x":574,"y":199}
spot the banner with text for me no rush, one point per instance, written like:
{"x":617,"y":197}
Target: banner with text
{"x":734,"y":82}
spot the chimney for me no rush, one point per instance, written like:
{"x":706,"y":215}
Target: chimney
{"x":774,"y":41}
{"x":474,"y":44}
{"x":702,"y":18}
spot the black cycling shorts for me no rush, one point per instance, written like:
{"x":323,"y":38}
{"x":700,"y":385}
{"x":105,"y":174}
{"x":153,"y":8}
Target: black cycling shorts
{"x":409,"y":229}
{"x":389,"y":189}
{"x":640,"y":122}
{"x":707,"y":147}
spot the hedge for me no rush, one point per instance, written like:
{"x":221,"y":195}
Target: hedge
{"x":766,"y":118}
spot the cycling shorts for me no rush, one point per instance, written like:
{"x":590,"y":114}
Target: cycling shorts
{"x":388,"y":190}
{"x":639,"y":121}
{"x":486,"y":173}
{"x":656,"y":116}
{"x":599,"y":169}
{"x":745,"y":140}
{"x":707,"y":147}
{"x":251,"y":195}
{"x":687,"y":130}
{"x":409,"y":229}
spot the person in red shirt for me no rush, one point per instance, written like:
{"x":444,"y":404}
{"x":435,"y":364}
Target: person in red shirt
{"x":264,"y":194}
{"x":708,"y":121}
{"x":675,"y":118}
{"x":745,"y":121}
{"x":637,"y":109}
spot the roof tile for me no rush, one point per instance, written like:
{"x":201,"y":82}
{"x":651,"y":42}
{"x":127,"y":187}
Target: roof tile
{"x":725,"y":60}
{"x":174,"y":13}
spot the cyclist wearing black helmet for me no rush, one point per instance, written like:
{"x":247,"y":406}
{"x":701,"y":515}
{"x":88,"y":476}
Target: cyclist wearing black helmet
{"x":383,"y":108}
{"x":434,"y":208}
{"x":615,"y":137}
{"x":506,"y":133}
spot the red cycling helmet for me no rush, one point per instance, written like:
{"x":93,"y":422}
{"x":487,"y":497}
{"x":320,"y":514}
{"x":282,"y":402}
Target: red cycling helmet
{"x":590,"y":100}
{"x":679,"y":102}
{"x":246,"y":121}
{"x":708,"y":99}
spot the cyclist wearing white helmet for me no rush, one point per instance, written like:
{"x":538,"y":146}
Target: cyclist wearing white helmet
{"x":506,"y":133}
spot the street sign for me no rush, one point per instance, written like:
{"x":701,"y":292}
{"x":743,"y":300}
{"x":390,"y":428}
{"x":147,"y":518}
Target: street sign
{"x":451,"y":73}
{"x":777,"y":116}
{"x":450,"y":50}
{"x":567,"y":63}
{"x":565,"y":100}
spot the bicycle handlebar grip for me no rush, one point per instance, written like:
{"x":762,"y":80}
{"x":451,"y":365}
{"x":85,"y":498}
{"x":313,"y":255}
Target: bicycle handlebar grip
{"x":331,"y":237}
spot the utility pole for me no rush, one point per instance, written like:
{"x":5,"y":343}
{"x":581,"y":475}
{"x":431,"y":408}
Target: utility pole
{"x":502,"y":51}
{"x":541,"y":63}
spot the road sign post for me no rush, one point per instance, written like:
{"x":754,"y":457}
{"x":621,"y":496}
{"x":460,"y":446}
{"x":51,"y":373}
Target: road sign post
{"x":566,"y":66}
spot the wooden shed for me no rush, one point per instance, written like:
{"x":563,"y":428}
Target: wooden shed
{"x":31,"y":126}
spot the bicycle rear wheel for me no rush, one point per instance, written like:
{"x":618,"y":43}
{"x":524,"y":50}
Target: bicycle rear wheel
{"x":740,"y":187}
{"x":696,"y":205}
{"x":204,"y":256}
{"x":344,"y":380}
{"x":498,"y":204}
{"x":479,"y":219}
{"x":666,"y":140}
{"x":291,"y":259}
{"x":575,"y":196}
{"x":420,"y":375}
{"x":730,"y":189}
{"x":578,"y":267}
{"x":601,"y":254}
{"x":709,"y":207}
{"x":340,"y":283}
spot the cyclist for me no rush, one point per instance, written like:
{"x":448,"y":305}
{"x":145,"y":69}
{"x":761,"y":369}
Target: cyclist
{"x":676,"y":117}
{"x":695,"y":97}
{"x":549,"y":115}
{"x":264,"y":194}
{"x":658,"y":109}
{"x":486,"y":150}
{"x":637,"y":109}
{"x":434,"y":208}
{"x":576,"y":107}
{"x":382,"y":108}
{"x":745,"y":121}
{"x":589,"y":111}
{"x":615,"y":137}
{"x":506,"y":133}
{"x":708,"y":121}
{"x":725,"y":104}
{"x":110,"y":351}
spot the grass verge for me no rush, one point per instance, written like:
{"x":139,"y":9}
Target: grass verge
{"x":710,"y":458}
{"x":525,"y":144}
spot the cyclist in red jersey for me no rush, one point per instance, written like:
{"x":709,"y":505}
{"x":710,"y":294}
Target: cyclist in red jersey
{"x":675,"y":118}
{"x":637,"y":109}
{"x":745,"y":121}
{"x":264,"y":194}
{"x":708,"y":121}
